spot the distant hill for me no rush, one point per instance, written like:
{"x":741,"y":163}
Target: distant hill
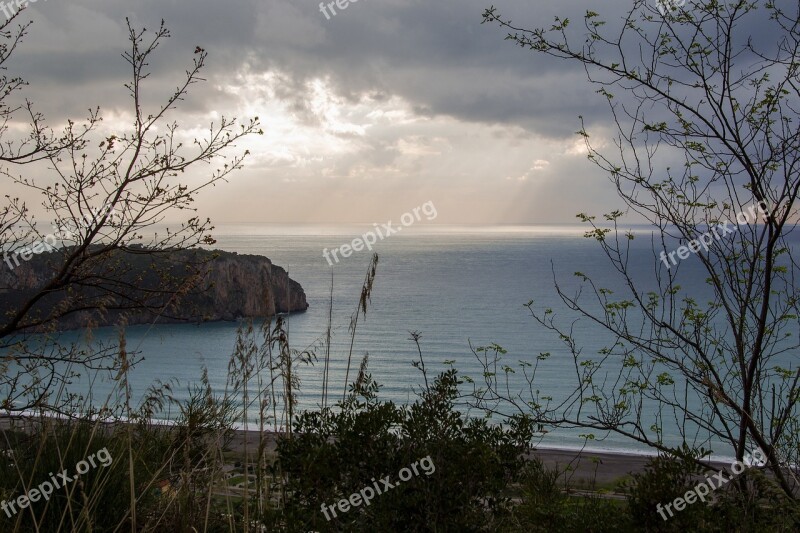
{"x":136,"y":286}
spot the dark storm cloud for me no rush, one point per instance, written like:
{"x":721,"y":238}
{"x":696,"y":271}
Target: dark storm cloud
{"x":460,"y":114}
{"x":436,"y":55}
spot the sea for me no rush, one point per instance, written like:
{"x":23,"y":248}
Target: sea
{"x":458,"y":288}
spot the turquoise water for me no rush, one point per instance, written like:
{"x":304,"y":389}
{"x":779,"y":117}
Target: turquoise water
{"x":456,"y":286}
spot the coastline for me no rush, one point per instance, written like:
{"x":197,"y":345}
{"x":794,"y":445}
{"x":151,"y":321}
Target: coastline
{"x":586,"y":467}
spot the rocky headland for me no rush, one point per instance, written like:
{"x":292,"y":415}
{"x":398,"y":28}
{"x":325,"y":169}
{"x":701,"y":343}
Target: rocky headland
{"x":137,"y":287}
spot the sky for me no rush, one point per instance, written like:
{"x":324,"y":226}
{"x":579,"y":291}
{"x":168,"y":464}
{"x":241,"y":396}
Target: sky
{"x":368,"y":113}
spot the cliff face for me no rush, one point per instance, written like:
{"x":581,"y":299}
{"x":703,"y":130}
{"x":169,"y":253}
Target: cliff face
{"x":251,"y":286}
{"x":136,"y":287}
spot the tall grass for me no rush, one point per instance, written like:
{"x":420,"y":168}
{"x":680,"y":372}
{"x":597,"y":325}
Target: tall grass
{"x":212,"y":468}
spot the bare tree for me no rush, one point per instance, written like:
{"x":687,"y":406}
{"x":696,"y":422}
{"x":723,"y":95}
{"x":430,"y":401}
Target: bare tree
{"x":706,"y":129}
{"x":104,"y":191}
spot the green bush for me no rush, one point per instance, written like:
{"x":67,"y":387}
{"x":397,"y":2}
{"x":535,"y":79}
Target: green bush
{"x":544,"y":507}
{"x":664,"y":479}
{"x":336,"y":452}
{"x":750,"y":503}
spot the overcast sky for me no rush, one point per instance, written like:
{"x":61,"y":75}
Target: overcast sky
{"x":385,"y":106}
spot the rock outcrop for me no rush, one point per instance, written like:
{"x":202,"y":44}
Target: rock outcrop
{"x":136,"y":287}
{"x":249,"y":286}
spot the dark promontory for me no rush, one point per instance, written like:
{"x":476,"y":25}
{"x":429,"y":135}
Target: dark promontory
{"x":139,"y":286}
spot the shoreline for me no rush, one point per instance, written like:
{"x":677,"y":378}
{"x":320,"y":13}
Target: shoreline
{"x":588,"y":467}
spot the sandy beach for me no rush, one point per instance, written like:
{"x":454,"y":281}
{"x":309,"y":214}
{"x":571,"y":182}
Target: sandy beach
{"x":586,"y":467}
{"x":604,"y":467}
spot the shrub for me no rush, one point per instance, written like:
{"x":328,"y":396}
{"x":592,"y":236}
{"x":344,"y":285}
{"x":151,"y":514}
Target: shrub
{"x":335,"y":453}
{"x":664,"y":479}
{"x":544,"y":507}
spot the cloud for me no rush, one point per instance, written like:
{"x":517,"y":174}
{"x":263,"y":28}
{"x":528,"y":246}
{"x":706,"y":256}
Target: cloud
{"x":392,"y":101}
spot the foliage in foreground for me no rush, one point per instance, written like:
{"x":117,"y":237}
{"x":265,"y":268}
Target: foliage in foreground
{"x":752,"y":502}
{"x":482,"y":480}
{"x":337,"y":453}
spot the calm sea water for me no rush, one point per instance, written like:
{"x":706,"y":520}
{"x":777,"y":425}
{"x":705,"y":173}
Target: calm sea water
{"x":455,"y":286}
